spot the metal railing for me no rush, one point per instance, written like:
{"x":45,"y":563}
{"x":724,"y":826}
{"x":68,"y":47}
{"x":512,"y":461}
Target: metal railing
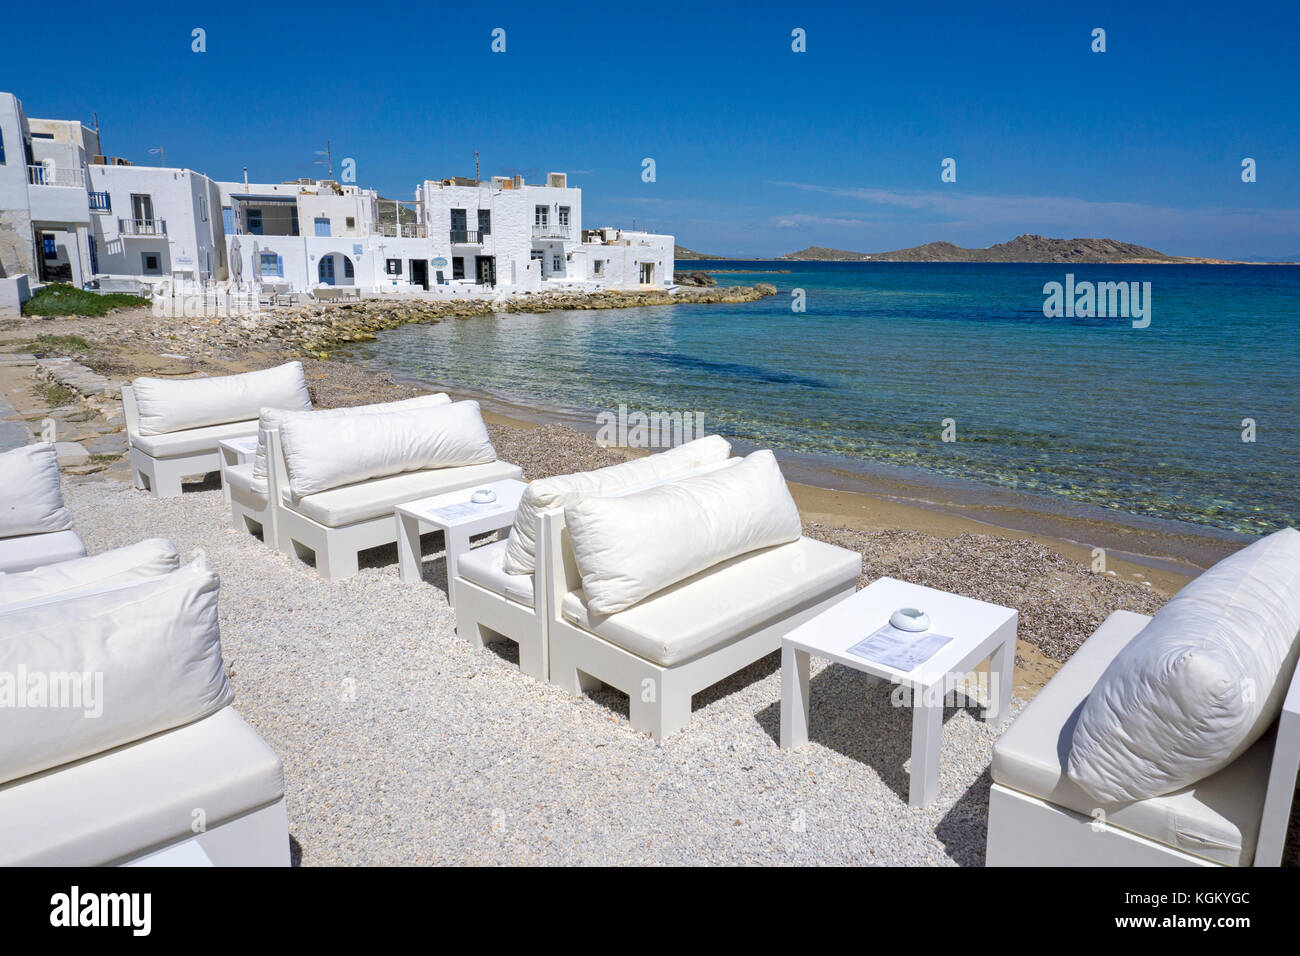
{"x":407,"y":230}
{"x":547,"y":230}
{"x":40,"y":175}
{"x":142,"y":227}
{"x":100,"y":202}
{"x":469,"y":237}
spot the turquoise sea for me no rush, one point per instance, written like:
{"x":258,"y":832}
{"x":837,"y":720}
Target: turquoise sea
{"x":1145,"y":421}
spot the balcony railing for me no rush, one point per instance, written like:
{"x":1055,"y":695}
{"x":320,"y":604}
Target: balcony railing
{"x":100,"y":202}
{"x":39,"y":175}
{"x":546,"y":230}
{"x":142,"y":227}
{"x":407,"y":230}
{"x":468,"y":237}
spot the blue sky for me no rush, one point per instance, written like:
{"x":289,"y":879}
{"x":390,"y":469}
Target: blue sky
{"x":758,"y":150}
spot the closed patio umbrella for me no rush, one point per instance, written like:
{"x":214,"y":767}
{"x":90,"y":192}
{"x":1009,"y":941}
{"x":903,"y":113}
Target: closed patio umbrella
{"x":236,"y":262}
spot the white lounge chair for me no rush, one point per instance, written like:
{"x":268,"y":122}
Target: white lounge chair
{"x":346,"y":518}
{"x":35,"y":527}
{"x":168,"y":773}
{"x":1044,"y":805}
{"x":494,"y":605}
{"x":692,"y":633}
{"x":173,"y":426}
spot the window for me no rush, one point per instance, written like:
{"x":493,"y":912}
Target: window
{"x":150,"y":263}
{"x":393,"y":267}
{"x":271,"y":264}
{"x":347,"y":268}
{"x":564,"y":217}
{"x":598,"y":267}
{"x":647,"y":273}
{"x":541,"y":215}
{"x":322,"y":226}
{"x":2,"y":147}
{"x":352,"y":222}
{"x":484,"y":223}
{"x":556,"y":264}
{"x":203,"y":209}
{"x":47,"y":243}
{"x":254,"y":219}
{"x":94,"y":255}
{"x":142,"y":207}
{"x":458,"y":267}
{"x":228,"y":220}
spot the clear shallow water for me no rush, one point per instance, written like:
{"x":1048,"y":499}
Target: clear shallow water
{"x":1146,"y":421}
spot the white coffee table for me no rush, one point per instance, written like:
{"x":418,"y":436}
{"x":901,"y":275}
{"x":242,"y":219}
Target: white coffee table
{"x":978,"y":630}
{"x":458,"y":518}
{"x":235,"y":451}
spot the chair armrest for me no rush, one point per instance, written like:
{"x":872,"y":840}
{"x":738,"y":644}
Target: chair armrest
{"x":557,"y":571}
{"x":1281,"y":780}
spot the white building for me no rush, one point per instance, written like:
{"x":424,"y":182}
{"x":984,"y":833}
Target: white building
{"x":68,"y":213}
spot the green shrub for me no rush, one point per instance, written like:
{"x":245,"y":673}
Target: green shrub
{"x":59,"y":298}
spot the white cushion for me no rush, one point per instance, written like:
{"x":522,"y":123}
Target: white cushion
{"x":171,"y":405}
{"x":31,"y":501}
{"x":144,"y":658}
{"x":1200,"y":684}
{"x":723,"y":603}
{"x":241,"y":477}
{"x":378,"y":496}
{"x":1216,"y":818}
{"x":112,"y":806}
{"x":274,"y":417}
{"x":323,"y":453}
{"x":37,"y":550}
{"x":484,"y":566}
{"x":147,"y":559}
{"x":547,"y":493}
{"x":192,"y":441}
{"x":629,"y":547}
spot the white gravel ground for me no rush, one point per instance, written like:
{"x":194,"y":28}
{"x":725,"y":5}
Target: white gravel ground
{"x":401,"y":744}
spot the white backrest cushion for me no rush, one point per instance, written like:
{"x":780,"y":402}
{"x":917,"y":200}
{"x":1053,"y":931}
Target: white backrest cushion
{"x":120,"y":665}
{"x":274,"y":417}
{"x":324,"y":453}
{"x":147,"y":559}
{"x":171,"y":405}
{"x":31,"y":501}
{"x":556,"y":492}
{"x":629,"y":547}
{"x":1200,"y":683}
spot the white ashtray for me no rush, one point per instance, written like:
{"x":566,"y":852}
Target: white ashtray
{"x":910,"y":619}
{"x":483,"y":496}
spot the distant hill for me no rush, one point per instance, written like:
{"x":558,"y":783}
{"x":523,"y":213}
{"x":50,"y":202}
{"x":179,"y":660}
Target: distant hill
{"x":1026,"y":248}
{"x":681,"y":252}
{"x":386,"y":215}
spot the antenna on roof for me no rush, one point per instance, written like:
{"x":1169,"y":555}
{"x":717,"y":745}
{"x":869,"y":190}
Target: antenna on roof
{"x":328,"y":161}
{"x":476,"y":176}
{"x":162,"y":155}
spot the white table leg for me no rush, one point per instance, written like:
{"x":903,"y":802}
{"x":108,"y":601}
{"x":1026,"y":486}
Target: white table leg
{"x":795,"y":665}
{"x":1002,"y":671}
{"x":408,"y":548}
{"x":457,"y":544}
{"x":927,"y":737}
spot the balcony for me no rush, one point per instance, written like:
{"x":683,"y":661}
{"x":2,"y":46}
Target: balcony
{"x":546,"y":230}
{"x":407,"y":230}
{"x":142,"y":227}
{"x":466,"y":237}
{"x":100,"y":202}
{"x":39,"y":175}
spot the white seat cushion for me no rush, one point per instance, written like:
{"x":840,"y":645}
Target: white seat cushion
{"x":1216,"y":818}
{"x":36,"y":550}
{"x":146,"y":559}
{"x":1202,"y":681}
{"x":628,"y":547}
{"x":725,"y":602}
{"x":192,"y":441}
{"x":31,"y":500}
{"x":484,"y":566}
{"x":557,"y":491}
{"x":124,"y":801}
{"x":378,"y":497}
{"x":242,"y":477}
{"x":166,"y":405}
